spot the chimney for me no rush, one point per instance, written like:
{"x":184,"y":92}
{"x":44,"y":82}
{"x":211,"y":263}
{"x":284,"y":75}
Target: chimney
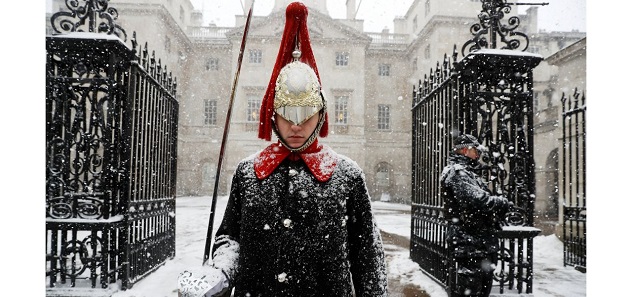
{"x":532,"y":18}
{"x":351,"y":9}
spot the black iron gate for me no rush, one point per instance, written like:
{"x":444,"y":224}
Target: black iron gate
{"x":573,"y":182}
{"x":111,"y":145}
{"x":489,"y":94}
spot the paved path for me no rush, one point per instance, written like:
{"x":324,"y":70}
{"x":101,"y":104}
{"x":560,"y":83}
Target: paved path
{"x":393,"y":244}
{"x":394,"y":222}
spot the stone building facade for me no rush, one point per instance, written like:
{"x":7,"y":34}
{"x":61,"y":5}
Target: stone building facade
{"x":368,"y":80}
{"x":570,"y":77}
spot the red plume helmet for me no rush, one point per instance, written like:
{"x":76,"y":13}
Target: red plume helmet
{"x":295,"y":37}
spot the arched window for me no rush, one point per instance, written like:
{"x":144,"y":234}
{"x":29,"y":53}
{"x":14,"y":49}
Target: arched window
{"x":552,"y":185}
{"x":382,"y":175}
{"x":208,"y":172}
{"x":383,"y":181}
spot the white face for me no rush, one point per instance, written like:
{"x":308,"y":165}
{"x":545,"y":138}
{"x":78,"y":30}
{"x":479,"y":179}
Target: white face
{"x":296,"y":135}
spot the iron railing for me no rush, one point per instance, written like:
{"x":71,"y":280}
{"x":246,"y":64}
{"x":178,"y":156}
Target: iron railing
{"x":111,"y":121}
{"x":573,"y":181}
{"x":111,"y":145}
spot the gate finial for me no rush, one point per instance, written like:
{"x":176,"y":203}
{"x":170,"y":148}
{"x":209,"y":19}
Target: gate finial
{"x":490,"y":28}
{"x":92,"y":11}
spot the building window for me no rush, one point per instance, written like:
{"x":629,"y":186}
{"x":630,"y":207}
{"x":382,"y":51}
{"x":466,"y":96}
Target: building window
{"x":427,"y":52}
{"x":415,"y":24}
{"x":182,"y":58}
{"x":167,"y":44}
{"x":384,"y":117}
{"x":253,"y":108}
{"x":533,"y":49}
{"x":427,"y":7}
{"x":342,"y":59}
{"x":256,"y":56}
{"x":384,"y":70}
{"x":382,"y":175}
{"x":209,"y":112}
{"x":208,"y":173}
{"x":212,"y":64}
{"x":552,"y":185}
{"x":181,"y":14}
{"x":342,"y":110}
{"x":535,"y":101}
{"x":415,"y":64}
{"x":561,"y":44}
{"x":547,"y":94}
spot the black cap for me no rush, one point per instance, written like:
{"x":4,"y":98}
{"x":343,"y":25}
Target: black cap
{"x":467,"y":140}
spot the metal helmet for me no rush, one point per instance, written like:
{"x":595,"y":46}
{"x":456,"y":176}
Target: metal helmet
{"x":297,"y":96}
{"x":294,"y":90}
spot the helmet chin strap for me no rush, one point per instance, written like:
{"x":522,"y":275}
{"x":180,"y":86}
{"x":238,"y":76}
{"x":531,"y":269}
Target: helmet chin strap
{"x":309,"y":140}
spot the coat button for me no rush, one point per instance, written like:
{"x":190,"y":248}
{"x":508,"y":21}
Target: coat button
{"x":282,"y":277}
{"x":287,"y":223}
{"x":293,"y":172}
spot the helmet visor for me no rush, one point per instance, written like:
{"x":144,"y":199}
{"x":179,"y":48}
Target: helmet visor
{"x":297,"y":115}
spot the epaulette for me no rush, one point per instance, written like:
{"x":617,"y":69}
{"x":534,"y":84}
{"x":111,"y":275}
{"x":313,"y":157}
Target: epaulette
{"x":447,"y":172}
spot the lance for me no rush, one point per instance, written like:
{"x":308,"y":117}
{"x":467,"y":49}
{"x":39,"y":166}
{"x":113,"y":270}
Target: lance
{"x":208,"y":239}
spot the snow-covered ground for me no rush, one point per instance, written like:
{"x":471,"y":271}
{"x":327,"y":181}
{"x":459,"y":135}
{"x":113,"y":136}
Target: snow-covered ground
{"x":551,"y":278}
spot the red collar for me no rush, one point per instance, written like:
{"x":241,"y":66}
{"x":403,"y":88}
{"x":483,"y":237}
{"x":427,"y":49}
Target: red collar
{"x":320,"y":159}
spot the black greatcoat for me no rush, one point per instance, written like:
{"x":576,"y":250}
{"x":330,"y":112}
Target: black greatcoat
{"x":473,"y":213}
{"x":292,"y":235}
{"x":474,"y":217}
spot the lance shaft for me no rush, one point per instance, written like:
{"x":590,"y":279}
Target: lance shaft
{"x":226,"y":130}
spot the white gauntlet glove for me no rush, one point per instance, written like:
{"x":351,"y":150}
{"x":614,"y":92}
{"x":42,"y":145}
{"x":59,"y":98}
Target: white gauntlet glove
{"x":207,"y":282}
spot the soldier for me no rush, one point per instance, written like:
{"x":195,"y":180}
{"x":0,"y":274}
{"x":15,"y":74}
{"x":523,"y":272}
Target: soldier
{"x":474,"y":215}
{"x":298,"y":220}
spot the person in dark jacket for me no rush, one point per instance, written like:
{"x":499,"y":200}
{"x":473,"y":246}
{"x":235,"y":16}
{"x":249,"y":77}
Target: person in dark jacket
{"x":298,"y":220}
{"x":474,"y":218}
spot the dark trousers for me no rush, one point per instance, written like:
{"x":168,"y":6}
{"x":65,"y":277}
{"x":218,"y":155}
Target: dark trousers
{"x":474,"y":276}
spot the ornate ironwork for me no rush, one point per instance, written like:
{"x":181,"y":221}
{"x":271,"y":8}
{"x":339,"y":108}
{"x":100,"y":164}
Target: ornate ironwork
{"x":77,"y":255}
{"x":493,"y":28}
{"x":516,"y":217}
{"x":505,"y":261}
{"x":111,"y":142}
{"x":66,"y":208}
{"x":488,"y":95}
{"x":92,"y":15}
